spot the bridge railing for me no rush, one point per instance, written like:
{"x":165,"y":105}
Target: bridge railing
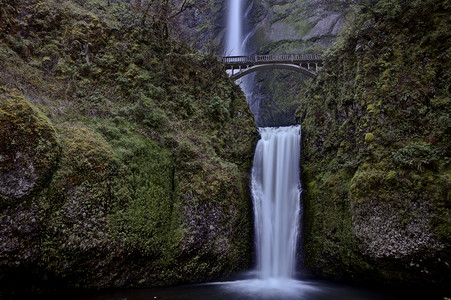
{"x":252,"y":59}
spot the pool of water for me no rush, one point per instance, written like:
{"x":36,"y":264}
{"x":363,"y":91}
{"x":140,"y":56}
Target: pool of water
{"x":254,"y":289}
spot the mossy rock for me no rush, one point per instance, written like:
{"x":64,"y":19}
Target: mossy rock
{"x":393,"y":216}
{"x":87,"y":155}
{"x":144,"y":125}
{"x":29,"y":147}
{"x":387,"y":221}
{"x":369,"y":138}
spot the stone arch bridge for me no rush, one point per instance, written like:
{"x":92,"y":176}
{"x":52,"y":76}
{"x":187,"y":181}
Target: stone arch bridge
{"x":242,"y":65}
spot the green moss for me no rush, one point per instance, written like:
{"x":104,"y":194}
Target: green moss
{"x":147,"y":180}
{"x":86,"y":152}
{"x":375,"y":149}
{"x":29,"y":149}
{"x":304,"y":27}
{"x":369,"y":137}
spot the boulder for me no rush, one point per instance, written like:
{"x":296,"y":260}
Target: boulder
{"x":29,"y":147}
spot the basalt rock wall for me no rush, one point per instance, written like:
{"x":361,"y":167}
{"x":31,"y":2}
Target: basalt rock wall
{"x":376,"y":149}
{"x":124,"y":154}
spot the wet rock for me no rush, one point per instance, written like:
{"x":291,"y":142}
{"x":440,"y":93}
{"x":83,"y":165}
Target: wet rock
{"x":282,"y":29}
{"x":383,"y":232}
{"x":325,"y":26}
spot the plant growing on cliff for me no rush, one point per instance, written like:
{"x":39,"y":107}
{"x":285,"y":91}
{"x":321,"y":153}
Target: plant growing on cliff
{"x":145,"y":157}
{"x":418,"y":156}
{"x":376,"y":150}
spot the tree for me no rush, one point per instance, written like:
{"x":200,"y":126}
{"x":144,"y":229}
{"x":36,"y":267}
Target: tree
{"x":160,"y":15}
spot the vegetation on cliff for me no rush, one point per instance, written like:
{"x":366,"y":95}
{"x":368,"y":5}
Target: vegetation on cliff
{"x":376,"y":132}
{"x":123,"y":139}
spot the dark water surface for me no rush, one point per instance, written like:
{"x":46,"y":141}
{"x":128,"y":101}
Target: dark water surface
{"x":272,"y":289}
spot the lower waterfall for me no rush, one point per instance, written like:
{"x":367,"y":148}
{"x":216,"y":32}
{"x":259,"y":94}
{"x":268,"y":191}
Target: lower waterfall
{"x":276,"y":191}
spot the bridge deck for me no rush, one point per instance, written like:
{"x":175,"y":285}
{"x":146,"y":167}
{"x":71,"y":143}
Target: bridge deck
{"x":232,"y":61}
{"x":304,"y":63}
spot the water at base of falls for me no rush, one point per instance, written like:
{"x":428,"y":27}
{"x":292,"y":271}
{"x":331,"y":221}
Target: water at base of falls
{"x":268,"y":289}
{"x":254,"y":289}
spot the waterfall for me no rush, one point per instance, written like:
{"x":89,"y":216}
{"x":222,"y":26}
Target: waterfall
{"x":235,"y":28}
{"x":275,"y":178}
{"x":276,"y":193}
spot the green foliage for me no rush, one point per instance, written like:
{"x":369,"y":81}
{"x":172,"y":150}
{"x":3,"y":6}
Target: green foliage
{"x":369,"y":138}
{"x":217,"y":109}
{"x":374,"y":137}
{"x":418,"y":156}
{"x":145,"y":125}
{"x":144,"y":209}
{"x":147,"y":112}
{"x":390,"y":9}
{"x":8,"y":14}
{"x":29,"y":150}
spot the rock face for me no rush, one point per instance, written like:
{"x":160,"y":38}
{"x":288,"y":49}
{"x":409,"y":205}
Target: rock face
{"x":383,"y":233}
{"x":376,"y":153}
{"x":399,"y":228}
{"x":29,"y":148}
{"x":202,"y":25}
{"x":287,"y":27}
{"x":137,"y":175}
{"x":296,"y":20}
{"x":330,"y":24}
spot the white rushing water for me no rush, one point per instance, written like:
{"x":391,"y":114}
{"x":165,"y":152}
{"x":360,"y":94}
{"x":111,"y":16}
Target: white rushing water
{"x":235,"y":28}
{"x":276,"y":193}
{"x":236,"y":44}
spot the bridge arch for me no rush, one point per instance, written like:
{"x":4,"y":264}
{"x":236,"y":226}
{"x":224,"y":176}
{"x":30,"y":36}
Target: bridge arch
{"x":256,"y":68}
{"x":303,"y":63}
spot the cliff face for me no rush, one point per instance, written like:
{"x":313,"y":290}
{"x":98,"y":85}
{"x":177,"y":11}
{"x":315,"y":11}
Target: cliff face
{"x":376,"y":149}
{"x":279,"y":27}
{"x":124,"y":154}
{"x":202,"y":25}
{"x":292,"y":26}
{"x":289,"y":22}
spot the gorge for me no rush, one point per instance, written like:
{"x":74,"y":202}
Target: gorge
{"x":126,"y":155}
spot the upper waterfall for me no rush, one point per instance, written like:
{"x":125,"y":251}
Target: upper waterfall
{"x":234,"y":45}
